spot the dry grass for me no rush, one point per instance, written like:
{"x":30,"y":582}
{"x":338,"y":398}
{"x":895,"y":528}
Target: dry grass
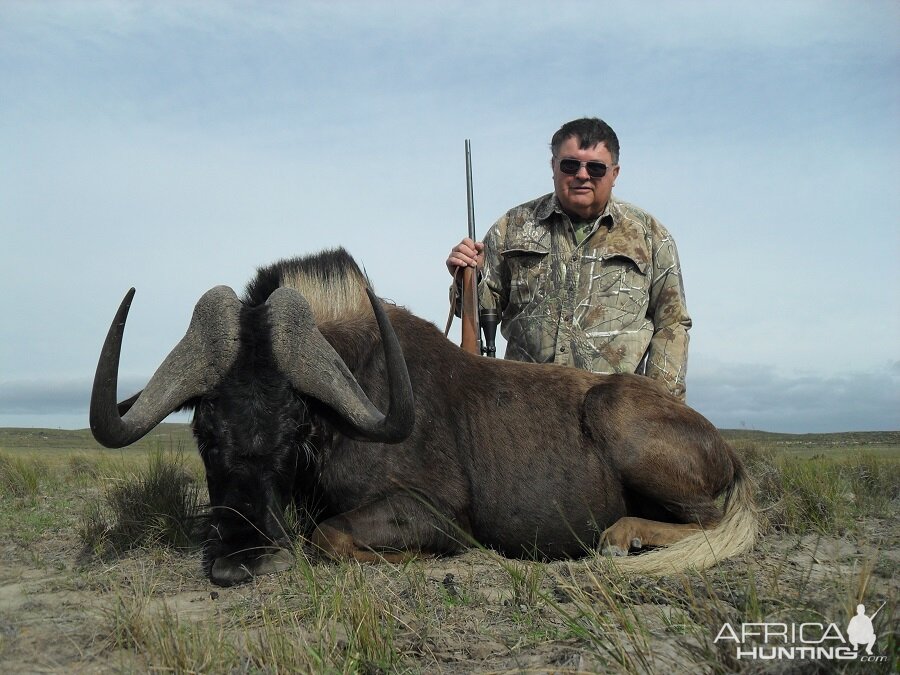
{"x":21,"y":476}
{"x":138,"y":601}
{"x":159,"y":504}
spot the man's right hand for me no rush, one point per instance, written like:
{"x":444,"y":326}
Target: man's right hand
{"x":466,"y":253}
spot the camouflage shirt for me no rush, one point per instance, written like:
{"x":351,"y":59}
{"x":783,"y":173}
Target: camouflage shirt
{"x":612,"y":303}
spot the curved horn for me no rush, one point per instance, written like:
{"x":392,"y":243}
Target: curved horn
{"x":192,"y":368}
{"x":316,"y":369}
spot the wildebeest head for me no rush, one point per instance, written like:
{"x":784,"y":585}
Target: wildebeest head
{"x":250,"y":373}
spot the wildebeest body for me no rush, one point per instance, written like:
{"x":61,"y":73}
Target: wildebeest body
{"x":534,"y":460}
{"x":486,"y":457}
{"x":527,"y":468}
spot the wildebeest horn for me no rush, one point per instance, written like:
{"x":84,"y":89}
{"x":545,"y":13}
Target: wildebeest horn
{"x":193,"y":367}
{"x":316,"y":369}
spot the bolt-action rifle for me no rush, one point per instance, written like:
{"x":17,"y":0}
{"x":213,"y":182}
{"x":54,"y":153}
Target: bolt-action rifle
{"x":474,"y":318}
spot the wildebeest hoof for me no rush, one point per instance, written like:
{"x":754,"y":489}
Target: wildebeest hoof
{"x":613,"y":551}
{"x":270,"y":563}
{"x":231,"y":570}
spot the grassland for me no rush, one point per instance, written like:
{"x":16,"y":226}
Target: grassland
{"x":99,"y":573}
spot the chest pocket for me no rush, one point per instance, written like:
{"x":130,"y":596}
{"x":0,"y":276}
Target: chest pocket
{"x":528,"y":267}
{"x":619,"y":282}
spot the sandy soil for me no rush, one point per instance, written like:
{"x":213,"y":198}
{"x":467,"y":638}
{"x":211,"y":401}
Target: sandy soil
{"x":57,"y":615}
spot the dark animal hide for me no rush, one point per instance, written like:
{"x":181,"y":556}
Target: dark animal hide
{"x":531,"y":460}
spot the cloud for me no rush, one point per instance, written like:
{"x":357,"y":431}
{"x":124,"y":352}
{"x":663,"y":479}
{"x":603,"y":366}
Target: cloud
{"x":760,"y":397}
{"x":58,"y":404}
{"x":731,"y":396}
{"x":53,"y":397}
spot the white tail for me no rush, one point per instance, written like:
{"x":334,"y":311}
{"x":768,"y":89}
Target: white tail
{"x":735,"y":534}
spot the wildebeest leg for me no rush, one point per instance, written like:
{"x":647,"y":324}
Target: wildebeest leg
{"x":390,"y":530}
{"x":687,"y":503}
{"x":673,"y":463}
{"x":676,"y":506}
{"x":631,"y":532}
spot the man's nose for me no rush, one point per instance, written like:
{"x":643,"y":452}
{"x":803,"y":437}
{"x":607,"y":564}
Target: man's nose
{"x":582,"y":173}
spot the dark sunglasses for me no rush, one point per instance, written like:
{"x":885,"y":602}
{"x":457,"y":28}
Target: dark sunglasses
{"x":573,"y":166}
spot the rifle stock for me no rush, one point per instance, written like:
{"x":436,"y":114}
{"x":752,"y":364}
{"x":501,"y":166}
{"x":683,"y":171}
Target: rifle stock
{"x":469,"y":312}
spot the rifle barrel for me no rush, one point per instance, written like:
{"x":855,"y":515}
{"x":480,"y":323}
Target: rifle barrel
{"x":470,"y":201}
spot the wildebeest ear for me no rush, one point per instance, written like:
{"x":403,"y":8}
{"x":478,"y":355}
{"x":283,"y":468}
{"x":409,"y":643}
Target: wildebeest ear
{"x":125,"y":405}
{"x":188,"y":406}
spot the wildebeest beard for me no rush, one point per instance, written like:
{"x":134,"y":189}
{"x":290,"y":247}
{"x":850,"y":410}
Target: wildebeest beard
{"x":252,"y":433}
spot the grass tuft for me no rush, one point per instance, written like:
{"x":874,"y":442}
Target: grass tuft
{"x":158,"y":505}
{"x":21,"y":477}
{"x":81,"y":466}
{"x":874,"y":484}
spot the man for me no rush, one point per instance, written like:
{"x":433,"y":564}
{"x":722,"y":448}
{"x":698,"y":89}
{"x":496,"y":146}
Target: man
{"x":860,"y":630}
{"x":580,"y":278}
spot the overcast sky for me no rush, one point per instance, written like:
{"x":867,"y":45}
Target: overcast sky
{"x":176,"y":146}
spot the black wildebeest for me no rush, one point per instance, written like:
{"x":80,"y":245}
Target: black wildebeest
{"x":287,"y":385}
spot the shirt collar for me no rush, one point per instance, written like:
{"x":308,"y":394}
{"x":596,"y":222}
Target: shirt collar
{"x":549,"y":204}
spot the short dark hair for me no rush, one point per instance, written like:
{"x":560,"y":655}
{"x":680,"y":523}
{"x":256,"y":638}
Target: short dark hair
{"x":590,"y":131}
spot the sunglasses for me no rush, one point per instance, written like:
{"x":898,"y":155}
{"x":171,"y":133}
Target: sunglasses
{"x":573,"y":166}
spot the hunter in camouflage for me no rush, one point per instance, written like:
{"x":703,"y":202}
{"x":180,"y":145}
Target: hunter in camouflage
{"x":580,"y":278}
{"x":613,"y":303}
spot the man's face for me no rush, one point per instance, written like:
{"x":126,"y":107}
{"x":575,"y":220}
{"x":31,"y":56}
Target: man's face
{"x":580,"y":195}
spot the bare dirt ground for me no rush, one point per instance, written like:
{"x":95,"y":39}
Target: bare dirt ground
{"x":153,"y":610}
{"x":454,"y":615}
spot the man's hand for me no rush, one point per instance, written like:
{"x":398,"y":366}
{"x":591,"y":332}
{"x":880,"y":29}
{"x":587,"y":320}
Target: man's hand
{"x":467,"y":253}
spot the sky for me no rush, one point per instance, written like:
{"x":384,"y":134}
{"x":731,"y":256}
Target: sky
{"x":177,"y":146}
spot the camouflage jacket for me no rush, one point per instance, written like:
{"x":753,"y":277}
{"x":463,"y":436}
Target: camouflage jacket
{"x":613,"y":303}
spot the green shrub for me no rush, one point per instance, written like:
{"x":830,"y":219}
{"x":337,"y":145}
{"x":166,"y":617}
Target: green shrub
{"x":821,"y":494}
